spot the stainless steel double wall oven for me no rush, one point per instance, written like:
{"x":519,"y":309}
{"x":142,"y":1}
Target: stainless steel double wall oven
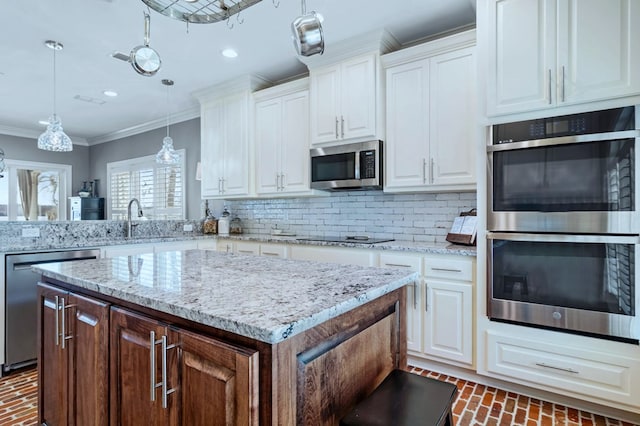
{"x":563,"y":223}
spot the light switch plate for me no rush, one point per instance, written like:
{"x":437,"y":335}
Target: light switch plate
{"x":187,"y":227}
{"x":30,"y":232}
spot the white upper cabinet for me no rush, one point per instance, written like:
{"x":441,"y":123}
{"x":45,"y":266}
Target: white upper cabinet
{"x":431,"y":116}
{"x":282,"y":140}
{"x":344,"y":100}
{"x":452,"y":118}
{"x":226,"y":145}
{"x":544,"y":53}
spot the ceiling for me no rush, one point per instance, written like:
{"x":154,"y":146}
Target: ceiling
{"x":91,"y":30}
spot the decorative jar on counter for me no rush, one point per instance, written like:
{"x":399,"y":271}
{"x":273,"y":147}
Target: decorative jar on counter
{"x":235,"y":226}
{"x":223,"y":223}
{"x":210,"y":224}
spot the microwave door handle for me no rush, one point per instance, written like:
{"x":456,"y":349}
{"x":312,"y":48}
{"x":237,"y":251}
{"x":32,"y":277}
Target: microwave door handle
{"x":357,"y":162}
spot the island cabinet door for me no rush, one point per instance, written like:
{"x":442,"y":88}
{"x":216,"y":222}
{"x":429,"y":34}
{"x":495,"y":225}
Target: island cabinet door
{"x":73,"y":359}
{"x":141,"y":364}
{"x":52,"y":359}
{"x":218,"y":381}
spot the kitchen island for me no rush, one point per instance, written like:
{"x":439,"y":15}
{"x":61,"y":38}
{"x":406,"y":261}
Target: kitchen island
{"x":199,"y":337}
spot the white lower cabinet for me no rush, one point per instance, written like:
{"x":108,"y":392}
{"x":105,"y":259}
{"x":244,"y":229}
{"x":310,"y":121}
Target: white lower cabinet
{"x":208,"y":244}
{"x":176,"y":245}
{"x":340,"y":255}
{"x":126,"y":250}
{"x":447,"y":328}
{"x":247,"y":247}
{"x":571,"y":371}
{"x":274,"y":250}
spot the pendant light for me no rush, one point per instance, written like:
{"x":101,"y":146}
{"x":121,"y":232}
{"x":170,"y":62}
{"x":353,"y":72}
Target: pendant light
{"x":167,"y":155}
{"x":54,"y":138}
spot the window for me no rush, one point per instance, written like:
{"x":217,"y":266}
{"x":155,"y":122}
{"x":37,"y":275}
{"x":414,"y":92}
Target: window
{"x":34,"y":191}
{"x":159,"y":188}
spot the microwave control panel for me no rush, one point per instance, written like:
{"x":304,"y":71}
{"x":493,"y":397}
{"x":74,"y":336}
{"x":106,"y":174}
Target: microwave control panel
{"x":367,"y":164}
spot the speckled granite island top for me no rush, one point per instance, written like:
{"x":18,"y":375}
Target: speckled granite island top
{"x":262,"y":298}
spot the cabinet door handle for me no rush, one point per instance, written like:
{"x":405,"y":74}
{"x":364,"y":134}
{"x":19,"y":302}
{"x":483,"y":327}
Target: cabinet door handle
{"x":63,"y":332}
{"x":426,"y":298}
{"x":152,"y":354}
{"x":415,"y":295}
{"x":223,"y":180}
{"x":57,"y":320}
{"x":446,"y":270}
{"x":282,"y":182}
{"x":424,"y":170}
{"x":337,"y":127}
{"x":549,"y":85}
{"x":432,"y":166}
{"x":342,"y":126}
{"x":562,"y":84}
{"x":553,"y":367}
{"x":277,"y":182}
{"x":165,"y":391}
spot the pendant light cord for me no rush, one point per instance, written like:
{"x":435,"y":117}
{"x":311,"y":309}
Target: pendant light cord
{"x":54,"y":82}
{"x":167,"y":110}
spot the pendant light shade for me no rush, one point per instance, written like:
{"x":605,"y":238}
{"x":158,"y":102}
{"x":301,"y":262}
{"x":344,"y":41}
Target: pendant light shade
{"x":54,"y":138}
{"x":167,"y":155}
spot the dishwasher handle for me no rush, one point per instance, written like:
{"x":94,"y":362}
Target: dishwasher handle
{"x":21,"y":266}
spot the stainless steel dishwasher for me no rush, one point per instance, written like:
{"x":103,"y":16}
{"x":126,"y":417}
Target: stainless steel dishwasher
{"x":22,"y":302}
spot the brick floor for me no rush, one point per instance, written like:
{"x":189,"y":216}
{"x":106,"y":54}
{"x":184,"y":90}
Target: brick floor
{"x":480,"y":405}
{"x":476,"y":405}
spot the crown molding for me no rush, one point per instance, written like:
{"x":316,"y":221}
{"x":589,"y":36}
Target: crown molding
{"x":34,"y":134}
{"x":378,"y":41}
{"x":248,"y":83}
{"x":179,"y":117}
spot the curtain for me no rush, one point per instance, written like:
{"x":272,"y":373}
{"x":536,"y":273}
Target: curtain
{"x":28,"y":189}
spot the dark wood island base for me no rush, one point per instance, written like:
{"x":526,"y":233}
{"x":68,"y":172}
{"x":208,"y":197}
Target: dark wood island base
{"x":204,"y":375}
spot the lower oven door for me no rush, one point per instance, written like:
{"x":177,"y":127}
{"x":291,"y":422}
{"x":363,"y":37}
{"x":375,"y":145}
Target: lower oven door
{"x":577,"y":283}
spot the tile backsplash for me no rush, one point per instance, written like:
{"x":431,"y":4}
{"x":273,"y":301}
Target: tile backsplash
{"x":403,"y":217}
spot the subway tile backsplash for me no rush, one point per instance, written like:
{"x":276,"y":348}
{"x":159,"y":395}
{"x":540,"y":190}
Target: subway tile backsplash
{"x":403,"y":217}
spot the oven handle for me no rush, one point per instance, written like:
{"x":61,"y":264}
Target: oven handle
{"x":564,"y":238}
{"x":563,"y":140}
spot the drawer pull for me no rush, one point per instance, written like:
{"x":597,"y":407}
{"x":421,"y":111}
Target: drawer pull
{"x":246,"y":251}
{"x":568,"y":370}
{"x":446,"y":270}
{"x":268,"y":253}
{"x":397,"y":265}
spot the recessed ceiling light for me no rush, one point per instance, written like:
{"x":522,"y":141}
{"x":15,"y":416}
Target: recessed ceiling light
{"x":110,"y":93}
{"x":229,"y":53}
{"x":191,"y":1}
{"x":44,"y":122}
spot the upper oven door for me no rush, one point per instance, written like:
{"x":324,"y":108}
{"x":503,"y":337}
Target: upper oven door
{"x":581,"y":184}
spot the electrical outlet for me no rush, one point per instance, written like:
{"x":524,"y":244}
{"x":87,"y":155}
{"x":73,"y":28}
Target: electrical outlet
{"x":187,"y":228}
{"x":30,"y":232}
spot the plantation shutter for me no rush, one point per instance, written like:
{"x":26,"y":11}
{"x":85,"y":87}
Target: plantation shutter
{"x":159,"y":188}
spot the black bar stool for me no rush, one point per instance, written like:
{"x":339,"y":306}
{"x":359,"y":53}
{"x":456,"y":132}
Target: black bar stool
{"x":405,"y":399}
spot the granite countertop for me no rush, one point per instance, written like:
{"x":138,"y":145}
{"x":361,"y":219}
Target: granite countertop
{"x":407,"y":246}
{"x":267,"y":299}
{"x":416,"y":247}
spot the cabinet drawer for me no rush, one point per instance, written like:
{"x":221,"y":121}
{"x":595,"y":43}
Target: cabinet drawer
{"x":243,"y":247}
{"x":412,"y":263}
{"x":564,"y":369}
{"x":273,"y":250}
{"x":453,"y":269}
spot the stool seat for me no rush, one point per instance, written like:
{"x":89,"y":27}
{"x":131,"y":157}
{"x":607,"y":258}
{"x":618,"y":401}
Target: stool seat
{"x":405,"y":399}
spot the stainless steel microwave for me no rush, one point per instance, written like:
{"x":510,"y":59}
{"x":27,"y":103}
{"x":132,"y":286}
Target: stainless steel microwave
{"x":355,"y":166}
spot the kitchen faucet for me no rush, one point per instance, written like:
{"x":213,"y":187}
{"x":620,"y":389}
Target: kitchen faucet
{"x":129,"y":224}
